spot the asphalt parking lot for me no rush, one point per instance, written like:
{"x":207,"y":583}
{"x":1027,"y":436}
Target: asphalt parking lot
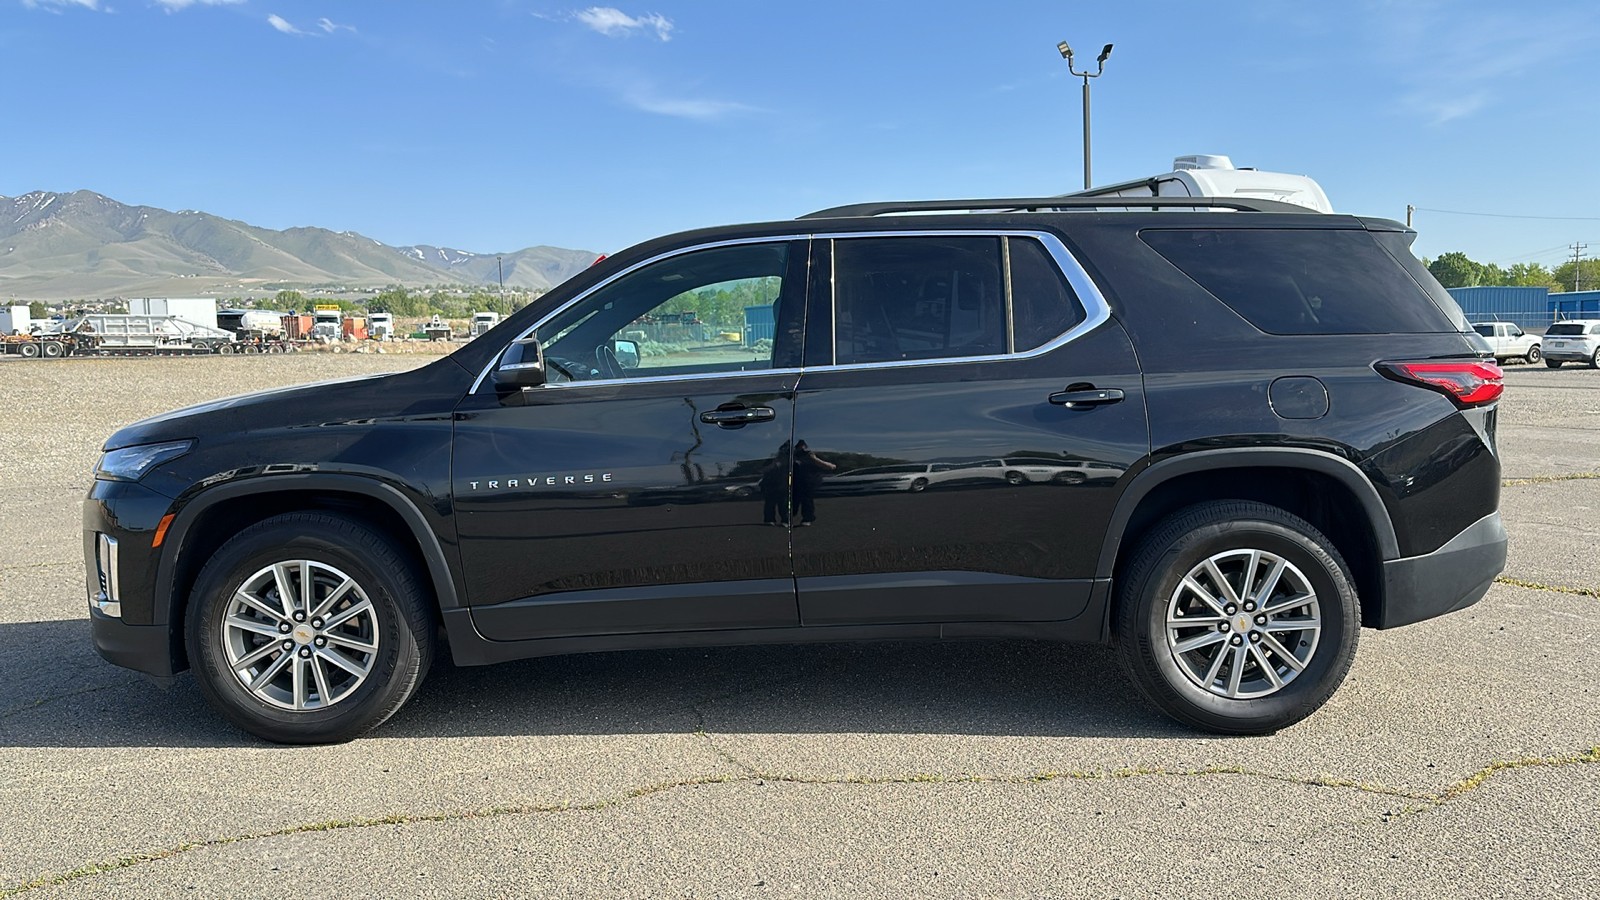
{"x":1460,"y":759}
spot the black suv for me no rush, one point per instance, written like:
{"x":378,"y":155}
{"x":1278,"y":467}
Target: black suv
{"x":1221,"y":440}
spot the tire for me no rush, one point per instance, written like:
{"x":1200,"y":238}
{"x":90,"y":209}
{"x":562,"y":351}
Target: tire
{"x":50,"y":349}
{"x":28,"y":350}
{"x":1533,"y":354}
{"x":919,"y":485}
{"x":1168,"y":574}
{"x":1552,"y":363}
{"x":225,"y":349}
{"x":367,"y":665}
{"x":1594,"y":361}
{"x":1015,"y":478}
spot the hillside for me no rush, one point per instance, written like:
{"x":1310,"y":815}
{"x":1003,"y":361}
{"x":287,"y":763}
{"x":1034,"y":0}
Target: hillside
{"x":83,"y":244}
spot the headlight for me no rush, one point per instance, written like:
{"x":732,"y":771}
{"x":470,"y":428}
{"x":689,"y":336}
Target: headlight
{"x":130,"y":463}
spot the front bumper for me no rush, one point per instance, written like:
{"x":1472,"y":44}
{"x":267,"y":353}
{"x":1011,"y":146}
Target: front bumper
{"x":126,"y":623}
{"x":143,"y":648}
{"x":1452,"y":577}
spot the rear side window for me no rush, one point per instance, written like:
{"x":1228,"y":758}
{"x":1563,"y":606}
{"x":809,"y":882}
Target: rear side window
{"x":922,"y":297}
{"x":918,"y":298}
{"x":1303,"y":281}
{"x":1043,"y":305}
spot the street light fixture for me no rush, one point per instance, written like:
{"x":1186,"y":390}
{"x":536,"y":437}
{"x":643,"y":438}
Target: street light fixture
{"x":1066,"y":54}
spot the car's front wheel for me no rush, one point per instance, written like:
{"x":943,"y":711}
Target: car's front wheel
{"x":1237,"y":617}
{"x":309,"y":628}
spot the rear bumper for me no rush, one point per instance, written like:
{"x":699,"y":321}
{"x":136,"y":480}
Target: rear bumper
{"x":1452,"y":577}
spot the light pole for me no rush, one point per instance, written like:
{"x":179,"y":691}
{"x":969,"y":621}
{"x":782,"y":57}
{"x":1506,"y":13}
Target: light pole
{"x":1066,"y":54}
{"x":501,"y":272}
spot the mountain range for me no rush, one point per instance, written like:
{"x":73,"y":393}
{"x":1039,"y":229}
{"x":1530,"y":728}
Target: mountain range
{"x":86,"y":245}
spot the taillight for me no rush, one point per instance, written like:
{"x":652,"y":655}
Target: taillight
{"x":1467,"y":382}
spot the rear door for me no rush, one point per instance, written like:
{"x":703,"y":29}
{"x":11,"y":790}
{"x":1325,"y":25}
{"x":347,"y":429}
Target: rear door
{"x":960,"y":355}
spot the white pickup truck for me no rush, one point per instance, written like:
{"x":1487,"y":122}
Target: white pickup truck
{"x":1508,"y":341}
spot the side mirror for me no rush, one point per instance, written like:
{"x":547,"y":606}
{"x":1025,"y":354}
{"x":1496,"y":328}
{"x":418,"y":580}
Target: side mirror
{"x":627,"y":353}
{"x":521,"y":366}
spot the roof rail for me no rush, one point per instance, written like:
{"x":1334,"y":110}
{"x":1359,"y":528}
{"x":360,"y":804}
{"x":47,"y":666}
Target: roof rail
{"x":1031,"y":204}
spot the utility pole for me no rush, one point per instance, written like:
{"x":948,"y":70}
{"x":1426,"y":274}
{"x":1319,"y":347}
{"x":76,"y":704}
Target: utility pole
{"x":1066,"y":54}
{"x":1577,"y":266}
{"x":500,"y":270}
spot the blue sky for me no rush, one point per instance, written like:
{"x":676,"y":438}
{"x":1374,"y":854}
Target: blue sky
{"x":491,"y":125}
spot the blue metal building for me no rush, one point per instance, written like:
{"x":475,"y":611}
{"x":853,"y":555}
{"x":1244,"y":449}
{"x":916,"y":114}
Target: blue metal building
{"x":1528,"y":307}
{"x":1575,"y":305}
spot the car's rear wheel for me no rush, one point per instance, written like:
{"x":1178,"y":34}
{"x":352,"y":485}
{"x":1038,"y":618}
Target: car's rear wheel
{"x":1594,"y":361}
{"x":1552,"y":363}
{"x":309,"y":628}
{"x":1237,"y":617}
{"x":1533,"y":354}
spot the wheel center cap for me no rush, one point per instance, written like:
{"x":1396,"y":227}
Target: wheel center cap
{"x":303,"y":634}
{"x":1241,"y":624}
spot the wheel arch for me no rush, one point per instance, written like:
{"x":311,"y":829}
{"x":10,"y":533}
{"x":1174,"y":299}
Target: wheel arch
{"x":1325,"y":490}
{"x":210,"y":519}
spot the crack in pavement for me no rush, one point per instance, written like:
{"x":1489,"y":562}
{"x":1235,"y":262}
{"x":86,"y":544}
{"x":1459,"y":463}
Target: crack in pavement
{"x":1422,"y":802}
{"x":1541,"y":586}
{"x":1550,"y":479}
{"x":26,"y":707}
{"x":18,"y":567}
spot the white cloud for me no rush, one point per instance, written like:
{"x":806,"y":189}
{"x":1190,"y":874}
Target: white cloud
{"x":57,"y":5}
{"x":1453,"y":66}
{"x":282,"y":24}
{"x":700,"y":109}
{"x":613,"y":22}
{"x":175,"y":5}
{"x":331,"y":26}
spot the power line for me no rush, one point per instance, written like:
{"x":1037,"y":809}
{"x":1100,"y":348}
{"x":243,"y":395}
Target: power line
{"x":1457,"y":212}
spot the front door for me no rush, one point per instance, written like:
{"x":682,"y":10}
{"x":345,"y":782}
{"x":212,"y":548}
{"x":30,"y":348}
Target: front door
{"x":642,"y":490}
{"x":960,"y":438}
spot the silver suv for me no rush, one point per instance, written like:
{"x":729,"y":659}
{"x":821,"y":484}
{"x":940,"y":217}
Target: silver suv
{"x":1575,"y":340}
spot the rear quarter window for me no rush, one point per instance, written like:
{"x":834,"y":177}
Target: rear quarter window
{"x":1303,"y":281}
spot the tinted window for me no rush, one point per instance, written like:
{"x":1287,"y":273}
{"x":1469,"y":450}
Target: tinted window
{"x":721,"y":309}
{"x":1304,"y":282}
{"x":1564,"y":328}
{"x":1043,"y":305}
{"x":906,"y":298}
{"x":1485,"y":330}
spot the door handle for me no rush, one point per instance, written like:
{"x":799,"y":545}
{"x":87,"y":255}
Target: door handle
{"x":1083,"y":399}
{"x":733,"y":418}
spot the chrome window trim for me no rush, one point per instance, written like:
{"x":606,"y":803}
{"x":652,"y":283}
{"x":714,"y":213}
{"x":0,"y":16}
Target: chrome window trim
{"x":734,"y":242}
{"x":1096,"y":309}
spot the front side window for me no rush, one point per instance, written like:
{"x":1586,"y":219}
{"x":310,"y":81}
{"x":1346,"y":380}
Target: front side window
{"x":722,"y":309}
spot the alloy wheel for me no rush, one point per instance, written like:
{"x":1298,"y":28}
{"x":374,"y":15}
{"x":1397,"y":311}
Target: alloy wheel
{"x":1243,"y":623}
{"x":300,"y":635}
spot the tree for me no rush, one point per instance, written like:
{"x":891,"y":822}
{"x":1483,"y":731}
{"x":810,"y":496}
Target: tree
{"x":1456,"y":270}
{"x":290,"y":301}
{"x":37,"y":310}
{"x":1528,"y":274}
{"x":1567,"y":276}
